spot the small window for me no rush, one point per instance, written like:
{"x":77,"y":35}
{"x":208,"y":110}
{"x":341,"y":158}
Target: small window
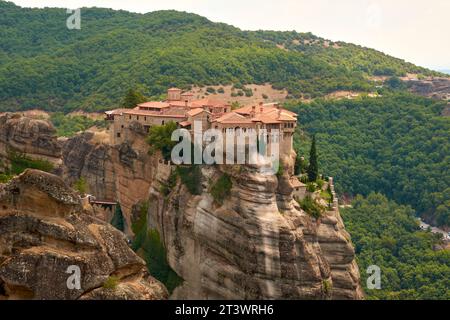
{"x":118,"y":134}
{"x":130,"y":117}
{"x":122,"y":126}
{"x":163,"y":122}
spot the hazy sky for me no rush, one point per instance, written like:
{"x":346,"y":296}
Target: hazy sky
{"x":415,"y":30}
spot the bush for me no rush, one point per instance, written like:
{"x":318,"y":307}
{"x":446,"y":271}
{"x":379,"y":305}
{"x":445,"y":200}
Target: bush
{"x":311,"y":207}
{"x":220,"y":90}
{"x":210,"y":90}
{"x":4,"y":178}
{"x":310,"y":187}
{"x":160,"y":138}
{"x":21,"y":162}
{"x":191,"y":177}
{"x":320,"y":183}
{"x":222,"y":188}
{"x":111,"y":283}
{"x":81,"y":185}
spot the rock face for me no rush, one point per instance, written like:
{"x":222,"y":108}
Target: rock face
{"x":33,"y":137}
{"x":121,"y":173}
{"x":438,"y":88}
{"x":258,"y":245}
{"x":45,"y":229}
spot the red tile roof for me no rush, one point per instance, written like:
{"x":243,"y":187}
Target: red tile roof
{"x":154,"y":104}
{"x":196,"y":111}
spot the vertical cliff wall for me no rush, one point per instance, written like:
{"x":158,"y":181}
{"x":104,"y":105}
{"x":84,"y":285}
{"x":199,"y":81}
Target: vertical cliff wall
{"x":258,"y":245}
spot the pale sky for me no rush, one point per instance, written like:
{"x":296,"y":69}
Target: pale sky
{"x":415,"y":30}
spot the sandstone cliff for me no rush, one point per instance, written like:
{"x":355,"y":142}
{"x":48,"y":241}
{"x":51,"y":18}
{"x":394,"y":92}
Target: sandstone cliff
{"x":121,"y":173}
{"x":34,"y":137}
{"x":44,"y":229}
{"x":258,"y":245}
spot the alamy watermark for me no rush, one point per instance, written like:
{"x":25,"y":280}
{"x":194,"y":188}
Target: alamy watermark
{"x":374,"y":280}
{"x":74,"y":280}
{"x":73,"y":22}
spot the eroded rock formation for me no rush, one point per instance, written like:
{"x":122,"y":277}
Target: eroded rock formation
{"x":34,"y":137}
{"x":45,"y":229}
{"x":120,"y":173}
{"x":437,"y":87}
{"x":258,"y":245}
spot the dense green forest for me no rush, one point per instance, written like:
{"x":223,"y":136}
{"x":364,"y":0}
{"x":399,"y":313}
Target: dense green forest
{"x":387,"y":235}
{"x":68,"y":126}
{"x":45,"y":65}
{"x":398,"y":145}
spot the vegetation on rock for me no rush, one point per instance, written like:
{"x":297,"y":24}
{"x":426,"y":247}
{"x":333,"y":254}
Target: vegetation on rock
{"x":160,"y":138}
{"x":118,"y":220}
{"x":148,"y":243}
{"x":221,"y":189}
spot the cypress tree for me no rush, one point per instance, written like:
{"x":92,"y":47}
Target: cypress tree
{"x":313,"y":168}
{"x":132,"y":98}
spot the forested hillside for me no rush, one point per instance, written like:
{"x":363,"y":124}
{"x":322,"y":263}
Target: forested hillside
{"x":398,"y":145}
{"x":387,"y":235}
{"x":45,"y":65}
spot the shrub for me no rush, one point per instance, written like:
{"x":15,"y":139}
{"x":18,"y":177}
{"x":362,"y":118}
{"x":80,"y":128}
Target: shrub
{"x":311,"y":187}
{"x":327,"y":286}
{"x":160,"y":138}
{"x":4,"y":178}
{"x":222,"y":188}
{"x":111,"y":283}
{"x":210,"y":90}
{"x":265,"y":96}
{"x":320,"y":183}
{"x":191,"y":177}
{"x":220,"y":90}
{"x":81,"y":185}
{"x":311,"y":207}
{"x":248,"y":92}
{"x":21,"y":162}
